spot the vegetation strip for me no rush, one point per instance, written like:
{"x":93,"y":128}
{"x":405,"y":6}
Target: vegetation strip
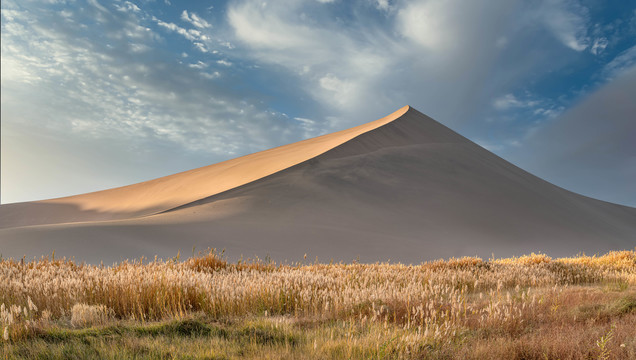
{"x":526,"y":307}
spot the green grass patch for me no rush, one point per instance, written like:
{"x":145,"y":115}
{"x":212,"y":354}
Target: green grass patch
{"x":622,"y":306}
{"x":190,"y":338}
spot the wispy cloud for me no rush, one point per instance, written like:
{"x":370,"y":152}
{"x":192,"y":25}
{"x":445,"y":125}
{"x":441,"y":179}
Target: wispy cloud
{"x":383,"y":5}
{"x":343,"y":64}
{"x":510,"y":101}
{"x":622,"y":63}
{"x":95,"y":94}
{"x":428,"y":23}
{"x":568,"y":21}
{"x":599,"y":45}
{"x":127,"y":6}
{"x":199,"y":65}
{"x":190,"y":34}
{"x":195,"y":20}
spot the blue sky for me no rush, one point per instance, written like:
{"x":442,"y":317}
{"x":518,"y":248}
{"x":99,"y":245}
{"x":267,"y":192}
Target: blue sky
{"x":98,"y":94}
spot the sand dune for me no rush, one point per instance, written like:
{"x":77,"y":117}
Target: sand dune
{"x":171,"y":191}
{"x":404,"y":188}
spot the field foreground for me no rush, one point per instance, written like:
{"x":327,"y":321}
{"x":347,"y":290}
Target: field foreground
{"x":531,"y":307}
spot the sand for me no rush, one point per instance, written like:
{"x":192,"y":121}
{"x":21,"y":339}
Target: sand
{"x":402,"y":188}
{"x":162,"y":194}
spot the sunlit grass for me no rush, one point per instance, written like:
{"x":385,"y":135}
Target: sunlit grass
{"x":527,"y":307}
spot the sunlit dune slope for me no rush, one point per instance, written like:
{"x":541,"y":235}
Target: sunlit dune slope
{"x":171,"y":191}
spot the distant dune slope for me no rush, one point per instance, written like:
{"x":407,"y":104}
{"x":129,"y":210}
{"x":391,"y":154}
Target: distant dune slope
{"x":404,"y":188}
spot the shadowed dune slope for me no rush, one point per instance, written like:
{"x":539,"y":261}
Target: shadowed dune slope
{"x":407,"y":189}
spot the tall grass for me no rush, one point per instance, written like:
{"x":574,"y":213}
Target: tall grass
{"x":432,"y":305}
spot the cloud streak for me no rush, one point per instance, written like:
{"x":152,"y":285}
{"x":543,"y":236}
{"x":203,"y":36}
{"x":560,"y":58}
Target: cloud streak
{"x":195,"y":20}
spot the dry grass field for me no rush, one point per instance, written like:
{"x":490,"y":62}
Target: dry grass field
{"x":531,"y":307}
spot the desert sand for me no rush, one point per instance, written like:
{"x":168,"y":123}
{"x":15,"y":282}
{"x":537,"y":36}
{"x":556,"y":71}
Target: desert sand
{"x":165,"y":193}
{"x":402,"y":188}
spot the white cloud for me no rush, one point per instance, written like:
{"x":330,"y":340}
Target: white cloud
{"x":200,"y":40}
{"x":425,"y":22}
{"x":340,"y":91}
{"x":510,"y":101}
{"x":568,"y":21}
{"x":506,"y":102}
{"x":256,"y":25}
{"x":199,"y":65}
{"x":195,"y":20}
{"x":189,"y":34}
{"x":97,"y":5}
{"x":549,"y":112}
{"x":334,"y":68}
{"x":621,"y":64}
{"x":11,"y":15}
{"x":524,"y":114}
{"x":311,"y":128}
{"x":383,"y":5}
{"x":211,"y":76}
{"x":305,"y":121}
{"x":224,"y":62}
{"x":431,"y":53}
{"x":599,"y":45}
{"x":127,"y":6}
{"x":201,"y":47}
{"x":139,"y":48}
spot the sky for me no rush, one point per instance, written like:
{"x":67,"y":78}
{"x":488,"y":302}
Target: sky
{"x":97,"y":94}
